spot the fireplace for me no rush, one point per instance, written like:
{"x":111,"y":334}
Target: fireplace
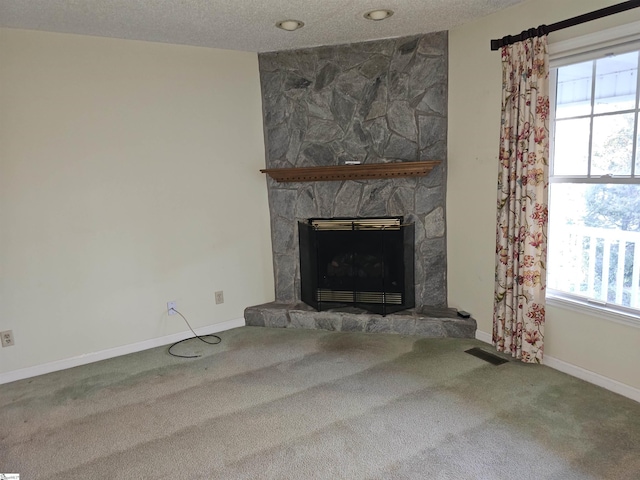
{"x":363,"y":262}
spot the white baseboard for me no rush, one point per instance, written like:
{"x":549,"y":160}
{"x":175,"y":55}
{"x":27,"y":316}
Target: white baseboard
{"x":592,"y":377}
{"x":115,"y":352}
{"x":579,"y":372}
{"x":484,"y":337}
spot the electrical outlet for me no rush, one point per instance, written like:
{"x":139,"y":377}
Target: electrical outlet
{"x":7,"y":338}
{"x":171,"y":308}
{"x":219,"y":297}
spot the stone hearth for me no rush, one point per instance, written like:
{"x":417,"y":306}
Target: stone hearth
{"x":431,"y":322}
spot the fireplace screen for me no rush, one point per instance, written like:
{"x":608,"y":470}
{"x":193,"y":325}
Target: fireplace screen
{"x":366,"y":262}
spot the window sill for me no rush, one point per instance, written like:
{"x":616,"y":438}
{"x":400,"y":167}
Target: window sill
{"x":604,"y":312}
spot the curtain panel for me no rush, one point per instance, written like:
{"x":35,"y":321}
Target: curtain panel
{"x":521,"y":234}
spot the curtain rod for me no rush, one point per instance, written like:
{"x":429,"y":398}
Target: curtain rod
{"x":570,"y":22}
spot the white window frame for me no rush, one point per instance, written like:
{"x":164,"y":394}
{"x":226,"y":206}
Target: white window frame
{"x":618,"y":40}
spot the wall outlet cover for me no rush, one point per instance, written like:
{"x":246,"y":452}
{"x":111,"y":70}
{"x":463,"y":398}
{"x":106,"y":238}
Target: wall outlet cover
{"x":7,"y":338}
{"x":171,"y":306}
{"x":219,"y":297}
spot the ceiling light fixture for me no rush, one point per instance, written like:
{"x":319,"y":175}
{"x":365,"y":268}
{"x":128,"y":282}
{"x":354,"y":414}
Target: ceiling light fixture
{"x":378,"y":15}
{"x":290,"y":25}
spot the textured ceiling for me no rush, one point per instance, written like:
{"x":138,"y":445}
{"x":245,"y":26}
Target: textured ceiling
{"x":243,"y":24}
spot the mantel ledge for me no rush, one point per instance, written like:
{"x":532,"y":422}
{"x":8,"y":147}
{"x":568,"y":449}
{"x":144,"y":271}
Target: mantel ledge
{"x":352,"y":172}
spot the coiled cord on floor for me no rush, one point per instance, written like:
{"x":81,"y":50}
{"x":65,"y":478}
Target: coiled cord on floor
{"x":195,"y":335}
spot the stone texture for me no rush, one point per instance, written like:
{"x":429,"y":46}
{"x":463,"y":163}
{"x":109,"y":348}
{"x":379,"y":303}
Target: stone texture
{"x":403,"y":325}
{"x":276,"y":318}
{"x":425,"y":322}
{"x":322,"y":131}
{"x":327,"y":75}
{"x":319,"y":103}
{"x":375,"y":66}
{"x":398,"y":85}
{"x":284,"y":233}
{"x":298,"y":117}
{"x":427,"y":72}
{"x":400,"y":148}
{"x":294,"y":81}
{"x":354,"y":323}
{"x":427,"y":199}
{"x":285,"y":267}
{"x":319,"y":154}
{"x":283,"y":202}
{"x":401,"y":202}
{"x":295,"y":142}
{"x":347,"y":201}
{"x":434,"y":100}
{"x":305,"y":204}
{"x":402,"y":121}
{"x":342,"y":108}
{"x":352,"y":84}
{"x":378,"y":324}
{"x":374,"y":199}
{"x":328,"y":322}
{"x":356,"y":142}
{"x":432,"y":130}
{"x":254,"y":317}
{"x":374,"y":102}
{"x":458,"y":329}
{"x":404,"y":53}
{"x":435,"y":151}
{"x":278,"y":141}
{"x":275,"y":110}
{"x":379,"y":135}
{"x":434,"y":223}
{"x":271,"y":83}
{"x":408,"y":46}
{"x":435,"y":178}
{"x":433,"y":290}
{"x":433,"y":143}
{"x":298,"y":320}
{"x":326,"y":193}
{"x":430,"y":328}
{"x":351,"y":57}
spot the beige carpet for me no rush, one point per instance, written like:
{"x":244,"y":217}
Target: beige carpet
{"x":303,"y":404}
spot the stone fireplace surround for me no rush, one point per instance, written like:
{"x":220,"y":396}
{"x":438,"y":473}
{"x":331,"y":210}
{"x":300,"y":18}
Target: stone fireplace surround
{"x":374,"y":102}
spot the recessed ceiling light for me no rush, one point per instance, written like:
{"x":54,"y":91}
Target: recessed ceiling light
{"x":378,"y":14}
{"x":290,"y":25}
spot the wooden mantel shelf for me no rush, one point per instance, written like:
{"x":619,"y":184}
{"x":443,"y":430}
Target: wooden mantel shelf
{"x":352,"y":172}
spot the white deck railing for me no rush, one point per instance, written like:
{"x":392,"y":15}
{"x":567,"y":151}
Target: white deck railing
{"x":573,"y":265}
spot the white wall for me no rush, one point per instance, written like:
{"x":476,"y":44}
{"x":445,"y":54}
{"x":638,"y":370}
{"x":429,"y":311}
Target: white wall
{"x":129,"y":176}
{"x":592,"y":343}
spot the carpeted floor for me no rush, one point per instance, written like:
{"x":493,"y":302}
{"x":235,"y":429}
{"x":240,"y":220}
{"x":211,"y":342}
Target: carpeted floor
{"x":303,"y":404}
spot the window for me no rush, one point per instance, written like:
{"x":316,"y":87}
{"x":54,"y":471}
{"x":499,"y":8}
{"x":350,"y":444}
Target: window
{"x":594,"y":184}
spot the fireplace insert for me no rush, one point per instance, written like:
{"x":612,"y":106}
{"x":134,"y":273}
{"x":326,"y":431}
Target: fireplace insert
{"x":364,"y":262}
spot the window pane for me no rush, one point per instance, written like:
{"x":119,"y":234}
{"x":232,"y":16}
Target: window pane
{"x":612,"y":144}
{"x":594,"y":241}
{"x":573,"y":96}
{"x":571,"y":147}
{"x":637,"y":171}
{"x":616,"y":81}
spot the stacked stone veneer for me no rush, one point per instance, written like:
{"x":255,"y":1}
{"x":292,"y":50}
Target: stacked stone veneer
{"x":374,"y":102}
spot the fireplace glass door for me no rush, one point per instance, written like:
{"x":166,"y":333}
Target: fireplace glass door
{"x":364,"y":262}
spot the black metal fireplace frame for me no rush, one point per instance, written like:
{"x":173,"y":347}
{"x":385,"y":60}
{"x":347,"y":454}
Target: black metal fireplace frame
{"x":384,"y":285}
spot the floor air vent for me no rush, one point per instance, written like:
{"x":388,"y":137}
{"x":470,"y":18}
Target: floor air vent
{"x":486,"y":356}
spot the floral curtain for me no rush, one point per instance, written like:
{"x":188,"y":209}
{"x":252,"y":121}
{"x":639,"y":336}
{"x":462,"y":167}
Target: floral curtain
{"x":521,"y":235}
